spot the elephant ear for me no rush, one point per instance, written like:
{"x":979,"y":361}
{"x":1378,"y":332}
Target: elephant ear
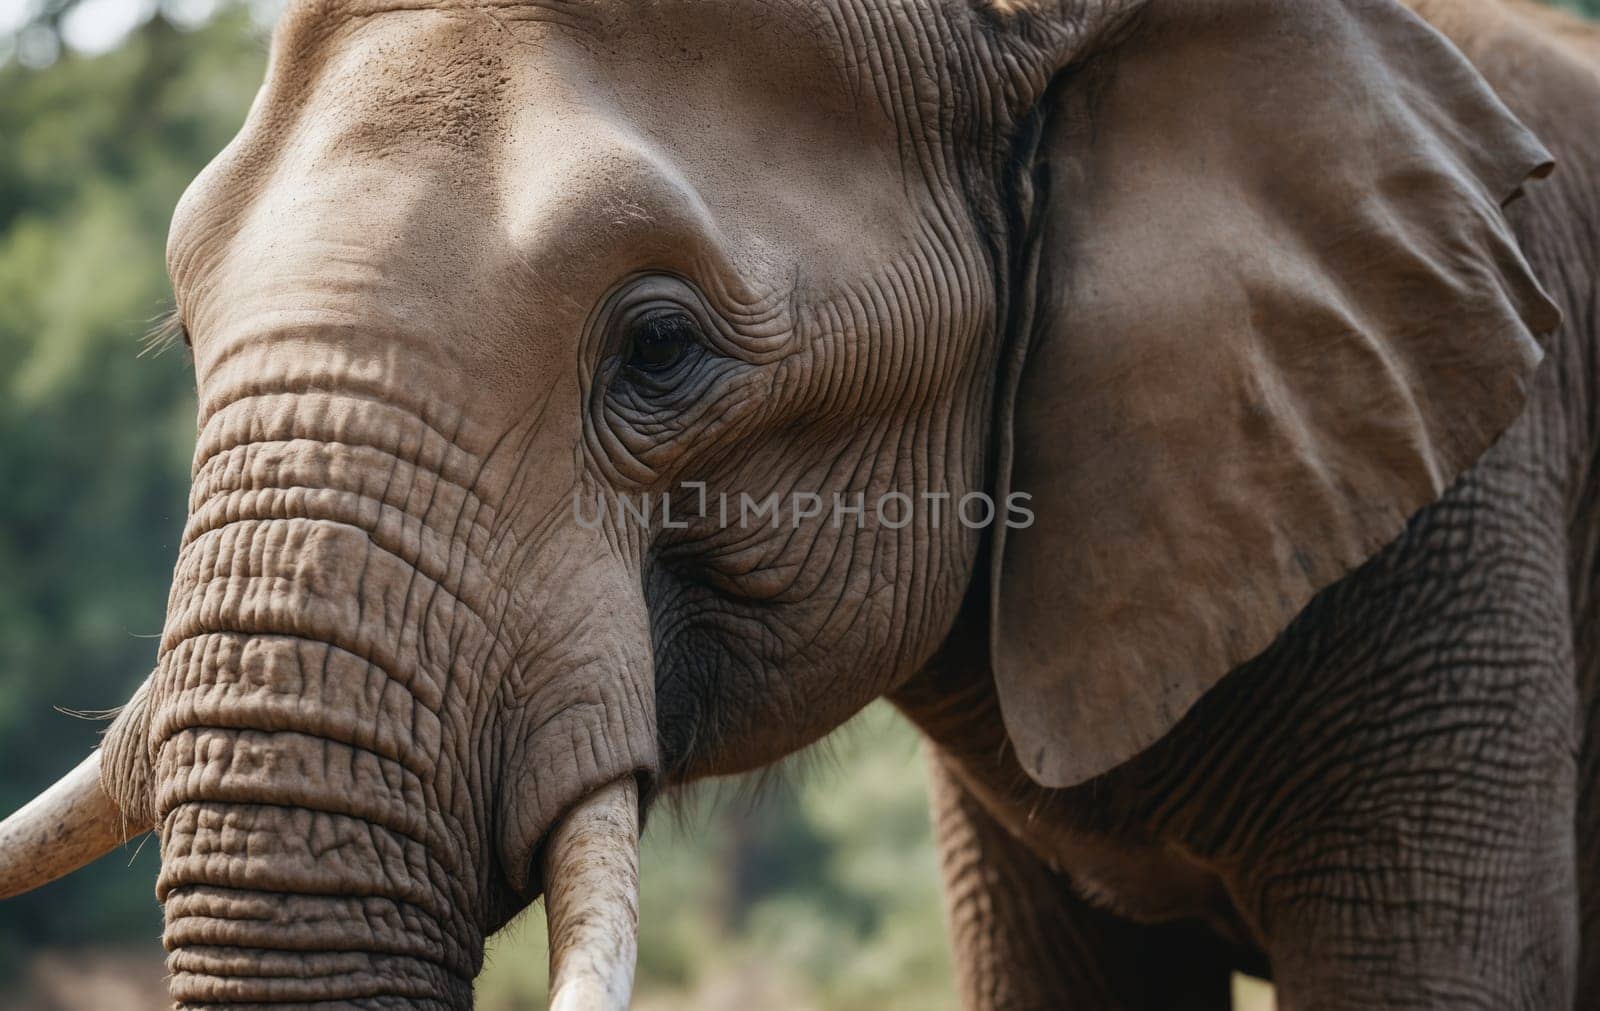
{"x":1272,"y":309}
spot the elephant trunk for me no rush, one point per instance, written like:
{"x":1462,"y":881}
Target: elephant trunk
{"x":342,"y":673}
{"x":294,"y":870}
{"x":309,"y":770}
{"x":592,"y":902}
{"x":299,"y":867}
{"x":353,"y":762}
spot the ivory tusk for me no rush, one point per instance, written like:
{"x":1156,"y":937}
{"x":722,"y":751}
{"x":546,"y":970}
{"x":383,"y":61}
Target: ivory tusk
{"x":65,"y":827}
{"x":591,"y":874}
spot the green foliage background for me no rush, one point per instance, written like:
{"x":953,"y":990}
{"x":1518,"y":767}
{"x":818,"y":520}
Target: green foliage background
{"x":824,"y":894}
{"x":94,"y":443}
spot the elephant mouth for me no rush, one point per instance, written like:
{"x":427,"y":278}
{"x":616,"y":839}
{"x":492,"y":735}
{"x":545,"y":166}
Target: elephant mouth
{"x":588,"y":869}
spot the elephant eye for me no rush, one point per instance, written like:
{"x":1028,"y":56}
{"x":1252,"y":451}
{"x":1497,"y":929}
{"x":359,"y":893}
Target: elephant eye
{"x":660,"y":340}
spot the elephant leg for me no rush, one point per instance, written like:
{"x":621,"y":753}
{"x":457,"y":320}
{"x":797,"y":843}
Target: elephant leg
{"x":1442,"y":941}
{"x":1417,"y":847}
{"x":1023,"y":940}
{"x":1586,"y":640}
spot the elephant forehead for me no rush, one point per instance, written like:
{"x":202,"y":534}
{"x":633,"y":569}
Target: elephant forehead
{"x":785,"y":58}
{"x":765,"y":115}
{"x":475,"y":179}
{"x":762,"y":30}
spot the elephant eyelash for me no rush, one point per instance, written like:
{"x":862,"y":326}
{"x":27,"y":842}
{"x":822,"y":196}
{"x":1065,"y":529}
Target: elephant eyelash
{"x":165,"y":331}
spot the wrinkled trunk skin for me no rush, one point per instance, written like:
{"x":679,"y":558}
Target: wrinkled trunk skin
{"x":316,"y":840}
{"x":364,"y":717}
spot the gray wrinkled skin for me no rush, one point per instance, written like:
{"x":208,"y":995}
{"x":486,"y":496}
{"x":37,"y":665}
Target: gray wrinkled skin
{"x":1395,"y":806}
{"x":393,"y":661}
{"x":392,"y":658}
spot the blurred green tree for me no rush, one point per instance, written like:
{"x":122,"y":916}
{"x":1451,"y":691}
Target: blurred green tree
{"x":94,"y":442}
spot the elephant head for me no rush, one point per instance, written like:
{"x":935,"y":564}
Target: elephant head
{"x":1221,"y":291}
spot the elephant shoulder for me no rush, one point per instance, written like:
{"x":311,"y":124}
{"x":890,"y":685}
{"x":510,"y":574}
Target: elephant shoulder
{"x":1544,"y":62}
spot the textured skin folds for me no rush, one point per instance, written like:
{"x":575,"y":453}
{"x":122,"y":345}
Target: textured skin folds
{"x":1392,"y":806}
{"x":1394,"y":831}
{"x":392,"y":661}
{"x":337,"y":676}
{"x":1227,"y":285}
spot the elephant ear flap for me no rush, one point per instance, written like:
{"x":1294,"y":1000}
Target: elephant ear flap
{"x":1275,"y":309}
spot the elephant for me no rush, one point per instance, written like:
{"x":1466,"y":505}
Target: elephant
{"x":1228,"y":368}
